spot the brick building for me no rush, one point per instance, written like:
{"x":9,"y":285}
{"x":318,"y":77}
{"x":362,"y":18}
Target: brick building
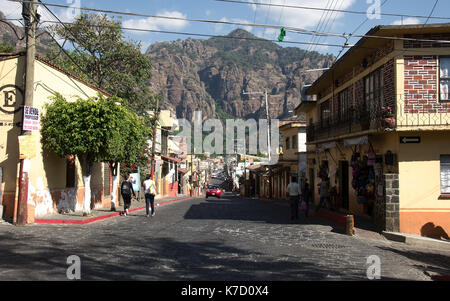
{"x":379,"y":129}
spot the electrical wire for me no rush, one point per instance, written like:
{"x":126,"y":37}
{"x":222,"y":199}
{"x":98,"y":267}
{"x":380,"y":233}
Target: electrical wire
{"x":432,"y":11}
{"x":318,"y":25}
{"x":325,"y":26}
{"x":291,"y":29}
{"x":335,"y":10}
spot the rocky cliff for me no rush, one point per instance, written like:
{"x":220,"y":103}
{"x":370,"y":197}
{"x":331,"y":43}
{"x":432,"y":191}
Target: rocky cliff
{"x":211,"y":75}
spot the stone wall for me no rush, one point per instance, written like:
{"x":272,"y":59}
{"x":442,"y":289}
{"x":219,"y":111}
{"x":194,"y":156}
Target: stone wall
{"x":386,"y":210}
{"x":391,"y":191}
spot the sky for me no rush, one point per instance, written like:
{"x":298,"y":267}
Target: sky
{"x":330,"y":22}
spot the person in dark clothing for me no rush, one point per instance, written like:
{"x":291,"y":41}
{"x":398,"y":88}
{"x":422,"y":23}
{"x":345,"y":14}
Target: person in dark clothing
{"x":306,"y":197}
{"x":127,"y":190}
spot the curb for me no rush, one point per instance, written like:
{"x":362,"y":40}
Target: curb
{"x":417,"y":241}
{"x":99,"y":218}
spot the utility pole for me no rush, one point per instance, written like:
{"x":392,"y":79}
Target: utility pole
{"x":152,"y":166}
{"x":31,"y":18}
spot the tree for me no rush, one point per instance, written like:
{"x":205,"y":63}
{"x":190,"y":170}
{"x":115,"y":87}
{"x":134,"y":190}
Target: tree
{"x":97,"y":129}
{"x":6,"y":48}
{"x":127,"y":143}
{"x":107,"y":60}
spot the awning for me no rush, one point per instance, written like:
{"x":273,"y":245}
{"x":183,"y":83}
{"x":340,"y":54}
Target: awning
{"x":171,"y":159}
{"x":328,"y":145}
{"x":357,"y":141}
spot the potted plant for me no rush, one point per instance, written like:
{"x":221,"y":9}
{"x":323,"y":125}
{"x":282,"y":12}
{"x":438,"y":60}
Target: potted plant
{"x":388,"y":117}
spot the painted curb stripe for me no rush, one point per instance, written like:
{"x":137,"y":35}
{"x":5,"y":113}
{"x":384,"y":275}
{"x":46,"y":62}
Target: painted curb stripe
{"x":98,"y":218}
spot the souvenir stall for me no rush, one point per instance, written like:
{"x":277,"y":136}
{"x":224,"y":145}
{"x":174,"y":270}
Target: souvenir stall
{"x":367,"y":175}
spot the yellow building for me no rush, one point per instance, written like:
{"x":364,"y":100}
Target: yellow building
{"x":379,"y":129}
{"x":53,"y":183}
{"x":292,"y":142}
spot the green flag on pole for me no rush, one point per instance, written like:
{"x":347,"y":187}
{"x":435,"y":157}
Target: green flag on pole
{"x":282,"y":34}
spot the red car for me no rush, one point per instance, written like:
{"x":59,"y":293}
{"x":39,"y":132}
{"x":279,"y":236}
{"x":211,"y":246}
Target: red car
{"x":213,"y":191}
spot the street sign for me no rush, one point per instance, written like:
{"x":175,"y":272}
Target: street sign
{"x":408,"y":140}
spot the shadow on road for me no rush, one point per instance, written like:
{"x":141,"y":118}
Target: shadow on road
{"x":157,"y":259}
{"x":234,"y":208}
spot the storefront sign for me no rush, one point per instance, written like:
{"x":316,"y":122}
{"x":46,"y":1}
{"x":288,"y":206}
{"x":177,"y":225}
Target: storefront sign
{"x":30,"y":119}
{"x":11,"y":97}
{"x":408,"y":140}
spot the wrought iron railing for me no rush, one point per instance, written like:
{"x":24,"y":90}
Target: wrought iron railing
{"x":410,"y":113}
{"x":355,"y":119}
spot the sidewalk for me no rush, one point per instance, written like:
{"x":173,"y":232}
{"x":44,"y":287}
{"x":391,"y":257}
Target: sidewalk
{"x":365,"y":229}
{"x":418,"y":241}
{"x":77,"y":218}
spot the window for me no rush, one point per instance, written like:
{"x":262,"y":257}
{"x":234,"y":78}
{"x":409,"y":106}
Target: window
{"x":444,"y":78}
{"x":325,"y":113}
{"x":295,"y":142}
{"x":70,"y":172}
{"x":345,"y":98}
{"x":373,"y":90}
{"x":287,"y":143}
{"x":445,"y":174}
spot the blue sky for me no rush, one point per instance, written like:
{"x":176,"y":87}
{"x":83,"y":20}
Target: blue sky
{"x":245,"y":13}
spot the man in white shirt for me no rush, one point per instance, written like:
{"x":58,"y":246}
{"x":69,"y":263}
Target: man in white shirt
{"x":293,"y":190}
{"x":150,"y":192}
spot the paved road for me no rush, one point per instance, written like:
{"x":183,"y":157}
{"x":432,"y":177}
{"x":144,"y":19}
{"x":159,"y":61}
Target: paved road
{"x":197,"y":239}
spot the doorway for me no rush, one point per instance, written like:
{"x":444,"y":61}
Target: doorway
{"x":343,"y":183}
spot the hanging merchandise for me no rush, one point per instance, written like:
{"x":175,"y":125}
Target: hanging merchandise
{"x":364,"y":179}
{"x":371,"y":156}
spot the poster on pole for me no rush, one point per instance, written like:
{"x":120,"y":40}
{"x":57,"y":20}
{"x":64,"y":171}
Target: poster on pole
{"x":30,"y":119}
{"x":136,"y":180}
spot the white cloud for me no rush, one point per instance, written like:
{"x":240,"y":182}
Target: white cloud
{"x":11,"y":10}
{"x":407,"y":21}
{"x":158,"y":23}
{"x":295,"y":17}
{"x":226,"y":28}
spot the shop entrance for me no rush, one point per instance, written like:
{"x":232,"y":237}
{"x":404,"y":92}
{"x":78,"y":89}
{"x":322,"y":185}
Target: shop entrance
{"x":344,"y":183}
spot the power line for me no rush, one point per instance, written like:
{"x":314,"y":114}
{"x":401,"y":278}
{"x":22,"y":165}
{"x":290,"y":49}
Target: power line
{"x":329,"y":18}
{"x":335,"y":10}
{"x":432,"y":11}
{"x":319,"y":24}
{"x":292,"y":29}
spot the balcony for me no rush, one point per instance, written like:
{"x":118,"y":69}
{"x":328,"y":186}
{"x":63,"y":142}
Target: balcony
{"x":410,"y":114}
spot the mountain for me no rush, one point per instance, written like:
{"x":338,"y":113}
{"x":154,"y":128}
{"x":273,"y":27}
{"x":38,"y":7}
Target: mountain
{"x":13,"y":35}
{"x":211,"y":75}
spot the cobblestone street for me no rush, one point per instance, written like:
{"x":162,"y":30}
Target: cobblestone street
{"x":227,"y":239}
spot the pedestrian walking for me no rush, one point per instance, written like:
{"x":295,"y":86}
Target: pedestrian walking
{"x":126,"y":189}
{"x":306,"y":198}
{"x":324,"y":192}
{"x":293,"y":190}
{"x":150,"y":192}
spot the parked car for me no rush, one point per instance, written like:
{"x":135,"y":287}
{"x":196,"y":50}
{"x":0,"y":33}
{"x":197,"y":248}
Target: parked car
{"x":213,"y":190}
